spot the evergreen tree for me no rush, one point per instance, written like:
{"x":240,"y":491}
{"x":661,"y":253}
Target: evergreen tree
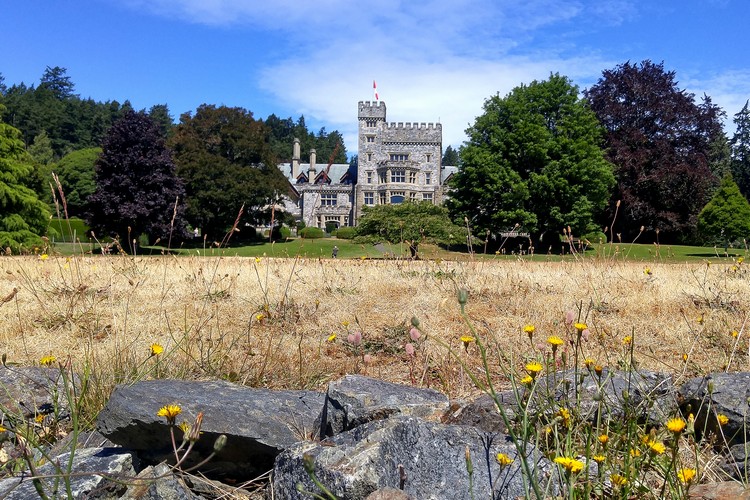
{"x":136,"y":184}
{"x":77,"y":176}
{"x":450,"y":157}
{"x":726,"y":218}
{"x":23,"y":217}
{"x":740,"y":150}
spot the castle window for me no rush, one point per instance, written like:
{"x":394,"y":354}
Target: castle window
{"x":329,"y":199}
{"x":381,"y":177}
{"x":382,"y":198}
{"x":397,"y":197}
{"x":369,"y":177}
{"x":370,"y":138}
{"x":371,"y":123}
{"x":398,"y":175}
{"x":429,"y":157}
{"x":399,"y":157}
{"x":412,"y":196}
{"x":428,"y":177}
{"x":427,"y":197}
{"x":369,"y":156}
{"x":412,"y":177}
{"x":369,"y":198}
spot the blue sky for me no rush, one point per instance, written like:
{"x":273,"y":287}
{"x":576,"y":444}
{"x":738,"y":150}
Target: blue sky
{"x":434,"y":60}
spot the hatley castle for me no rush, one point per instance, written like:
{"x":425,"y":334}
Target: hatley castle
{"x":397,"y":162}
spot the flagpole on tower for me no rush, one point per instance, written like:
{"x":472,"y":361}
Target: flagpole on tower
{"x":375,"y":90}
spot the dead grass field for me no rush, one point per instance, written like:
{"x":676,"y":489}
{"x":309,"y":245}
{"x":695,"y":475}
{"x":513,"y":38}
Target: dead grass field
{"x":267,"y":322}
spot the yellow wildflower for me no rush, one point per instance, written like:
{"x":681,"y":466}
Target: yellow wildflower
{"x":740,"y":260}
{"x":156,"y":349}
{"x":259,"y":317}
{"x":534,"y":368}
{"x":599,"y":458}
{"x":676,"y":425}
{"x":571,"y":465}
{"x":503,"y":459}
{"x":723,"y":419}
{"x":467,"y":339}
{"x":598,"y":369}
{"x":169,"y":412}
{"x":686,"y":475}
{"x":685,"y":357}
{"x":589,"y":362}
{"x":656,"y":447}
{"x":647,"y":271}
{"x":527,"y":380}
{"x":564,"y":415}
{"x":635,"y":452}
{"x":47,"y":360}
{"x":44,"y":256}
{"x":618,"y":480}
{"x":2,"y":429}
{"x":345,"y":323}
{"x":604,"y":439}
{"x":332,"y":337}
{"x":627,"y":340}
{"x":257,"y":260}
{"x":700,"y":319}
{"x":555,"y":341}
{"x":735,"y":334}
{"x":580,"y":327}
{"x":529,"y":330}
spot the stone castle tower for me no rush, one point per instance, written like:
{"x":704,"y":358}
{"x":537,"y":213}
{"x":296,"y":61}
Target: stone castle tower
{"x":397,"y":161}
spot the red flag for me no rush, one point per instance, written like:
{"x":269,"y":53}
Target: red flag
{"x":375,"y":89}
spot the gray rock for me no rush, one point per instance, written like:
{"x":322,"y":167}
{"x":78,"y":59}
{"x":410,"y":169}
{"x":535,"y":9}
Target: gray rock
{"x":649,"y":396}
{"x":30,"y":390}
{"x":92,"y":473}
{"x":158,"y":483}
{"x":483,"y":412}
{"x":357,"y":463}
{"x":355,"y":400}
{"x":730,"y":396}
{"x":258,"y":423}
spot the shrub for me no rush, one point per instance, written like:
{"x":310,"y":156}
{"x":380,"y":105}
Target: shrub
{"x":311,"y":233}
{"x":281,"y":233}
{"x":346,"y":233}
{"x":331,"y":227}
{"x":595,"y":237}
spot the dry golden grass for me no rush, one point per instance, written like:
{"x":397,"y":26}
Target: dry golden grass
{"x":266,"y":322}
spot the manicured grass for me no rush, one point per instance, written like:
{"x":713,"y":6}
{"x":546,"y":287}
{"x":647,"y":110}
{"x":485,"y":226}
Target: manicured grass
{"x":74,"y":229}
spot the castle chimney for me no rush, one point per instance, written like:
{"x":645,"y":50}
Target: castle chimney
{"x":295,"y":159}
{"x":311,"y":170}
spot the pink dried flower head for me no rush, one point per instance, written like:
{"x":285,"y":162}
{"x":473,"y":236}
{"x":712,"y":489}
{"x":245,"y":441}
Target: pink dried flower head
{"x":367,"y":359}
{"x":409,"y":348}
{"x":569,"y":317}
{"x":414,"y":334}
{"x":355,"y":338}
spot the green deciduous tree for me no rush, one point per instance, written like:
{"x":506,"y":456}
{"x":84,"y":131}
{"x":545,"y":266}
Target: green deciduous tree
{"x":726,"y":218}
{"x":77,"y":176}
{"x":224,"y":157}
{"x":533,"y":158}
{"x":136,"y":184}
{"x":410,"y":222}
{"x":23,"y":217}
{"x":660,"y":142}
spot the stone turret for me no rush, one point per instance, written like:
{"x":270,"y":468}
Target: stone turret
{"x":295,"y":158}
{"x":311,"y":171}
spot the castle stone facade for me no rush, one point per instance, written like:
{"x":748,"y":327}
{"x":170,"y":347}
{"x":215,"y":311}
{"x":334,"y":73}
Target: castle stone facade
{"x":397,"y":162}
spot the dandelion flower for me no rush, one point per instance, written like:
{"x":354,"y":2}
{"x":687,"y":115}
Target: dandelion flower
{"x":676,"y":425}
{"x":257,"y":260}
{"x":527,"y":380}
{"x":656,"y":447}
{"x":47,"y":360}
{"x":156,"y":349}
{"x":618,"y":480}
{"x":467,"y":339}
{"x":169,"y":412}
{"x":554,"y":341}
{"x":647,"y":271}
{"x":529,"y":330}
{"x":686,"y":476}
{"x":723,"y":419}
{"x":685,"y":357}
{"x":503,"y":459}
{"x":603,"y":439}
{"x":735,"y":334}
{"x":571,"y":465}
{"x":635,"y":452}
{"x":580,"y":327}
{"x":589,"y":362}
{"x":598,"y":369}
{"x":534,"y":368}
{"x":564,"y":415}
{"x":627,"y":340}
{"x":44,"y":256}
{"x":331,"y":338}
{"x":599,"y":458}
{"x":259,"y":317}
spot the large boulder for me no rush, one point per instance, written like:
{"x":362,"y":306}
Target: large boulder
{"x":354,"y":464}
{"x":258,"y":423}
{"x":354,"y":400}
{"x":648,"y":396}
{"x":716,"y":394}
{"x":95,"y":472}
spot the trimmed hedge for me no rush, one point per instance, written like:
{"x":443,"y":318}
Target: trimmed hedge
{"x":311,"y":233}
{"x":346,"y":233}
